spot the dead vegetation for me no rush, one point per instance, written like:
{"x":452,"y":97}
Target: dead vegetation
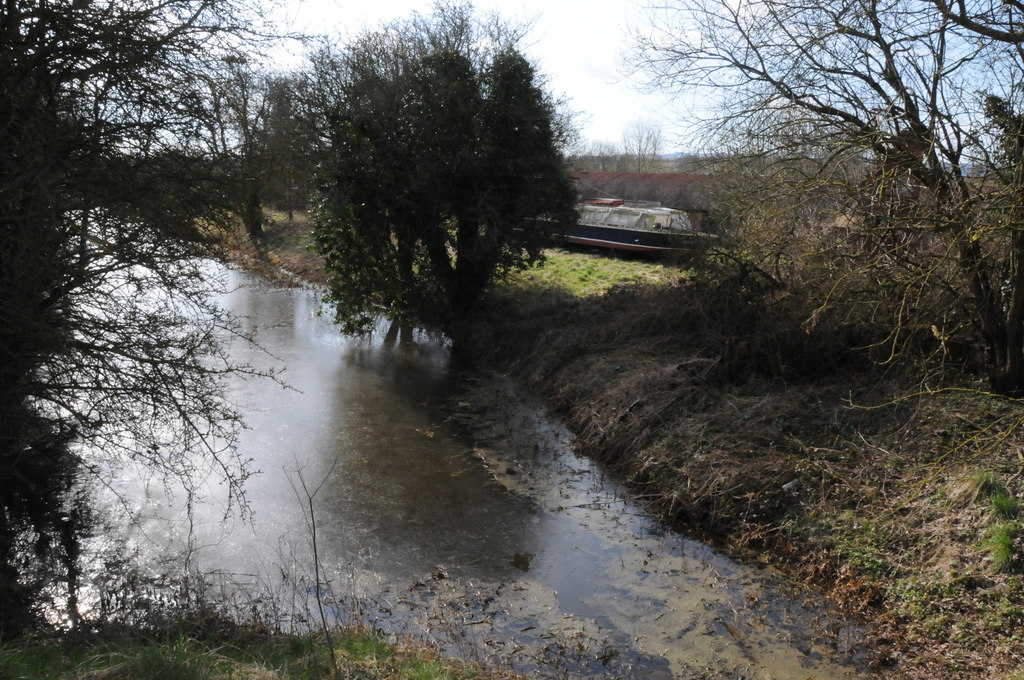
{"x":797,"y":449}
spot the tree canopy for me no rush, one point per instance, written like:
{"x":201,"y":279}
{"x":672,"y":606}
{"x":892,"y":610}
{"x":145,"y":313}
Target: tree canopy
{"x":442,"y":152}
{"x":896,"y":115}
{"x":110,"y":347}
{"x":263,"y":147}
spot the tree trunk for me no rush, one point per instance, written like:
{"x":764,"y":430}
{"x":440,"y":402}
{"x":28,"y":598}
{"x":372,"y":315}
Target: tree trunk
{"x":1008,"y":376}
{"x":252,"y":214}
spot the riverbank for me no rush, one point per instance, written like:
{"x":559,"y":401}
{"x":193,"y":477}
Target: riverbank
{"x":899,"y":502}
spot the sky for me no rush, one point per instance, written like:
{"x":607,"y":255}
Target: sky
{"x":578,"y":44}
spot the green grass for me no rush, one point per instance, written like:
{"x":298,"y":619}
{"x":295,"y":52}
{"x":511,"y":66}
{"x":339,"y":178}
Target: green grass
{"x":987,"y":484}
{"x":180,"y":659}
{"x":1005,"y":506}
{"x":584,"y":274}
{"x":1001,"y":546}
{"x":20,"y":662}
{"x":1001,"y":542}
{"x":361,"y":654}
{"x":287,"y":237}
{"x":577,"y":273}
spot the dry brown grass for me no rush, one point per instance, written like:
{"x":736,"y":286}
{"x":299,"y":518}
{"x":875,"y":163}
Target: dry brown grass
{"x":760,"y":437}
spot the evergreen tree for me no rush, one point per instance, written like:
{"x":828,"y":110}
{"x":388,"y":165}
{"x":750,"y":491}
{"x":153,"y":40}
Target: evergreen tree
{"x":440,"y":156}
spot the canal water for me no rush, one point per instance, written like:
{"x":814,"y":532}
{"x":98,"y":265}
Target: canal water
{"x":466,"y":522}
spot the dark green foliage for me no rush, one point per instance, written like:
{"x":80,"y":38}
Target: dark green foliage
{"x":439,"y":158}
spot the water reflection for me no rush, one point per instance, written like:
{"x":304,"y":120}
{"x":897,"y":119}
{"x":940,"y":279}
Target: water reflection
{"x":498,"y":543}
{"x":360,"y":422}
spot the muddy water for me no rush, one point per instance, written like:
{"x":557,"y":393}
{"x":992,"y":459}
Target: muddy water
{"x":470,"y":522}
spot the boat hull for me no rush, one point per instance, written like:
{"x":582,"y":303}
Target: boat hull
{"x":649,"y":229}
{"x":619,"y":238}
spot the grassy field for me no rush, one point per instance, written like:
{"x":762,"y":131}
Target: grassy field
{"x":287,"y":247}
{"x":585,"y":273}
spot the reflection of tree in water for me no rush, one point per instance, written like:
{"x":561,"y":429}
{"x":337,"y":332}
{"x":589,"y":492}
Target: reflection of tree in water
{"x":398,"y":332}
{"x":407,"y":492}
{"x":41,"y":524}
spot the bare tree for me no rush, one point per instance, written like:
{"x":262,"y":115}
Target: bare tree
{"x":290,"y":146}
{"x":264,"y":149}
{"x":598,"y":156}
{"x":240,"y":98}
{"x":887,"y":100}
{"x":641,"y":142}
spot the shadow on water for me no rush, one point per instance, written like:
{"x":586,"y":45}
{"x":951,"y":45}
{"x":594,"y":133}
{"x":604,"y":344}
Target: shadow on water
{"x":481,"y":531}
